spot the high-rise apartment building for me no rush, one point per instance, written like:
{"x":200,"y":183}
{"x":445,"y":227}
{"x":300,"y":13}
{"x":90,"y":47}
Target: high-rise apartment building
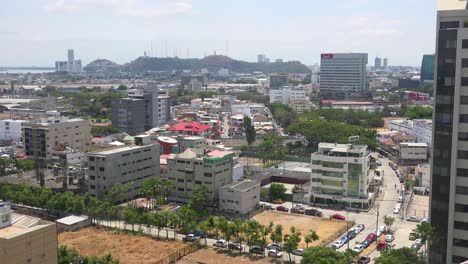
{"x":385,"y":63}
{"x":261,"y":58}
{"x":343,"y":75}
{"x":340,"y":174}
{"x":41,"y":138}
{"x":71,"y":65}
{"x":131,"y":164}
{"x":277,"y":80}
{"x":143,"y":109}
{"x":193,"y":167}
{"x":449,"y":180}
{"x":378,"y":63}
{"x":192,"y":82}
{"x":427,"y":68}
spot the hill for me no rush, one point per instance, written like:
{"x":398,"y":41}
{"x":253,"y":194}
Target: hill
{"x":213,"y":63}
{"x":102,"y":65}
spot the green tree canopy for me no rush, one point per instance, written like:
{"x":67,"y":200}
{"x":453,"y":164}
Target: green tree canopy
{"x":420,"y":112}
{"x":277,"y":191}
{"x":403,"y":255}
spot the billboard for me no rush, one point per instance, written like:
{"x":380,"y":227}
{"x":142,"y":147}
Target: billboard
{"x":327,"y":56}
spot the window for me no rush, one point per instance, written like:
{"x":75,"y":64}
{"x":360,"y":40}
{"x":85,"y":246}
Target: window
{"x":463,"y":208}
{"x":461,"y":190}
{"x":462,"y":154}
{"x":460,"y":225}
{"x":460,"y":242}
{"x":449,"y":24}
{"x":451,"y":44}
{"x":465,"y":43}
{"x":180,"y":180}
{"x":92,"y":168}
{"x":92,"y":187}
{"x":463,"y":118}
{"x":449,"y":81}
{"x":181,"y":189}
{"x":462,"y":172}
{"x":464,"y":100}
{"x":101,"y":168}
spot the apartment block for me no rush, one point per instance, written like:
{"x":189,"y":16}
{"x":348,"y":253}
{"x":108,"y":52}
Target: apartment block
{"x":420,"y":128}
{"x":195,"y":167}
{"x":277,"y":80}
{"x":340,"y":175}
{"x":412,"y":153}
{"x":239,"y":197}
{"x":26,"y":239}
{"x":130,"y":164}
{"x":192,"y":82}
{"x":285,"y":94}
{"x":42,"y":138}
{"x":11,"y":129}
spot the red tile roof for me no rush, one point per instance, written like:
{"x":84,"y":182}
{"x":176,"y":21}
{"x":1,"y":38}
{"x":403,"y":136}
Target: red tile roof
{"x":190,"y":126}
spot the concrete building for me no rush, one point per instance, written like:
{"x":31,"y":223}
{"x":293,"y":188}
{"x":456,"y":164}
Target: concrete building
{"x":427,"y":68}
{"x":142,"y":110}
{"x":300,"y":105}
{"x":449,"y":184}
{"x":11,"y":129}
{"x":385,"y":63}
{"x":261,"y":58}
{"x":192,"y":82}
{"x":412,"y":152}
{"x":277,"y":80}
{"x":26,"y":239}
{"x":420,"y":128}
{"x":423,"y":172}
{"x":41,"y":138}
{"x":340,"y":175}
{"x":239,"y":197}
{"x":191,"y":128}
{"x":130,"y":164}
{"x":285,"y":94}
{"x":193,"y":167}
{"x":378,"y":63}
{"x":71,"y":65}
{"x":343,"y":75}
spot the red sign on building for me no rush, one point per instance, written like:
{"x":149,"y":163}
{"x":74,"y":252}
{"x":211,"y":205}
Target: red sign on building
{"x":327,"y":56}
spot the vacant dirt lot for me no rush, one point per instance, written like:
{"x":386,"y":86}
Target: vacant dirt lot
{"x":128,"y":249}
{"x":328,"y":230}
{"x":419,"y":207}
{"x":210,"y":256}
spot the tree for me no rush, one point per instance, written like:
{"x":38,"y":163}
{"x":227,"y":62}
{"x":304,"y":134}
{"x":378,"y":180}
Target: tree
{"x":277,"y":191}
{"x":102,"y":131}
{"x":277,"y":235}
{"x":291,"y":241}
{"x":323,"y":255}
{"x":420,"y":112}
{"x":122,"y":87}
{"x":388,"y":221}
{"x":155,"y":189}
{"x":403,"y":255}
{"x":131,"y":216}
{"x":198,"y":196}
{"x":311,"y":237}
{"x":249,"y":130}
{"x":427,"y":233}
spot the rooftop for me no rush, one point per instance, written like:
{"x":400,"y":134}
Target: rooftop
{"x":116,"y":150}
{"x":72,"y":219}
{"x":409,"y":144}
{"x":190,"y":126}
{"x":241,"y":186}
{"x":22,"y":224}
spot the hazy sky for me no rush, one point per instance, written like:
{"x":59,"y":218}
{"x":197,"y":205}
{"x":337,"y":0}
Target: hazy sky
{"x":39,"y":32}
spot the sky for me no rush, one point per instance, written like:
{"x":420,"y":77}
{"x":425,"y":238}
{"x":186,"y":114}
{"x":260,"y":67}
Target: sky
{"x":39,"y":32}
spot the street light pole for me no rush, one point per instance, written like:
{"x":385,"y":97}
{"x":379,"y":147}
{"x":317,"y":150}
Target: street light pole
{"x":347,"y":228}
{"x":377,"y":226}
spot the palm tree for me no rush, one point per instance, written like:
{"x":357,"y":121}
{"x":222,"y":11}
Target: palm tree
{"x":311,"y":237}
{"x":427,"y":233}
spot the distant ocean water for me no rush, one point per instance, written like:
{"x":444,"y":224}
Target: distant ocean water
{"x":26,"y":71}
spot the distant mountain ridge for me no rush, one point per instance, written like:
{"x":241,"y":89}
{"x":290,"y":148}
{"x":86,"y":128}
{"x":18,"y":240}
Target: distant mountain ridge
{"x":102,"y":65}
{"x":212,"y":63}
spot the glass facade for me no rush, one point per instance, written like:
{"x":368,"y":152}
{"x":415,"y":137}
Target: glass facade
{"x":441,"y":171}
{"x":354,"y":174}
{"x":427,"y":68}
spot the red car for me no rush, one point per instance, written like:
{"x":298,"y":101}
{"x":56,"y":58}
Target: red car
{"x":282,"y":209}
{"x":371,"y":237}
{"x":382,"y":245}
{"x":338,"y":217}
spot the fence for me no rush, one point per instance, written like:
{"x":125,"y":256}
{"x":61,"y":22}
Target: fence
{"x":178,"y":255}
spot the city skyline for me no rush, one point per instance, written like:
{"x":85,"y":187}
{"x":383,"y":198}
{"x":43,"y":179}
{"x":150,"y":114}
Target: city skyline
{"x":37,"y":32}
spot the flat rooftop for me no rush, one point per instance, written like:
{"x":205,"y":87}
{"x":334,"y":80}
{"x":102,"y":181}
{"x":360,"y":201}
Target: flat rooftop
{"x":116,"y":150}
{"x":241,"y":186}
{"x":22,"y":224}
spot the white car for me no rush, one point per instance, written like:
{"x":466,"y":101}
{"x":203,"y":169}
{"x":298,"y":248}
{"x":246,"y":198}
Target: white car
{"x":358,"y":229}
{"x":275,"y":253}
{"x":389,"y":238}
{"x":221,"y":243}
{"x":338,"y":244}
{"x":358,"y":248}
{"x":397,"y":208}
{"x":380,"y":231}
{"x":300,"y":206}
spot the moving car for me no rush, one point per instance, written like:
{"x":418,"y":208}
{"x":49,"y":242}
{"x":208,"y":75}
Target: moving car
{"x":382,"y":245}
{"x":389,"y":238}
{"x":313,"y":212}
{"x":413,"y":219}
{"x":338,"y":217}
{"x":190,"y":238}
{"x":358,"y":248}
{"x":275,"y":246}
{"x":359,"y":228}
{"x":298,"y":252}
{"x":220,"y":243}
{"x":338,"y":244}
{"x":282,"y":209}
{"x":256,"y":249}
{"x":275,"y":253}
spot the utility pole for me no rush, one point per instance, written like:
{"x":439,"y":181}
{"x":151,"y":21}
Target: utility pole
{"x":377,"y":226}
{"x":347,"y":228}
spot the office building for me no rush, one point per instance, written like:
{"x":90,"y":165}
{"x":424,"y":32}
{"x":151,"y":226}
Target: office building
{"x":192,"y":82}
{"x":142,"y":110}
{"x":43,"y":137}
{"x":343,"y":75}
{"x":449,"y":183}
{"x":285,"y":94}
{"x":26,"y":239}
{"x":378,"y":63}
{"x":124,"y":165}
{"x":239,"y":197}
{"x":427,"y":68}
{"x":261,"y":58}
{"x":385,"y":63}
{"x":277,"y":80}
{"x":70,"y":66}
{"x":193,"y":167}
{"x":11,"y":129}
{"x":340,"y":175}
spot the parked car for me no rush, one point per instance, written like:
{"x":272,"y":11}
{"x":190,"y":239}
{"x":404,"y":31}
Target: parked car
{"x":363,"y":260}
{"x":358,"y":248}
{"x":371,"y":237}
{"x":380,"y":231}
{"x":413,"y":236}
{"x":400,"y":198}
{"x":424,"y":220}
{"x":366,"y":243}
{"x":235,"y":246}
{"x":200,"y":234}
{"x":275,"y":253}
{"x":275,"y":246}
{"x":359,"y":228}
{"x":345,"y":239}
{"x":413,"y":218}
{"x":338,"y":217}
{"x":402,"y":180}
{"x":220,"y":243}
{"x":351,"y":234}
{"x":300,"y":206}
{"x":298,"y":252}
{"x":382,"y":245}
{"x":313,"y":212}
{"x":256,"y":249}
{"x":397,"y":208}
{"x":268,"y":207}
{"x":282,"y":209}
{"x":190,"y":238}
{"x":338,"y":244}
{"x":295,"y":210}
{"x":417,"y":244}
{"x":389,"y":238}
